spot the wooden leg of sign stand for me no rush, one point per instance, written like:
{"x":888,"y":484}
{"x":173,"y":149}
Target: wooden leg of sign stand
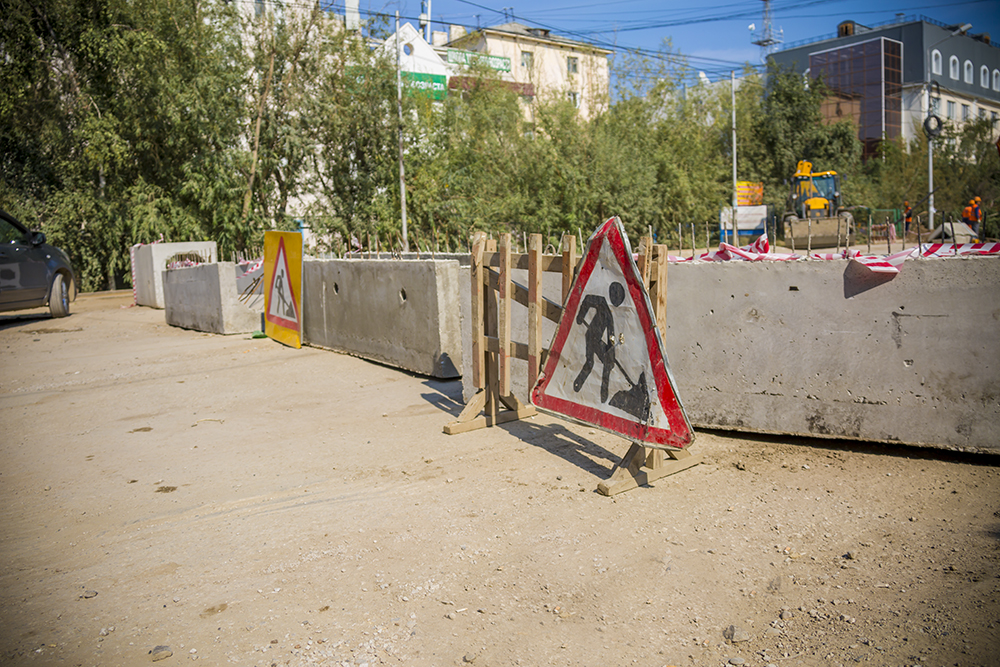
{"x":642,"y":466}
{"x":491,"y":404}
{"x":469,"y":421}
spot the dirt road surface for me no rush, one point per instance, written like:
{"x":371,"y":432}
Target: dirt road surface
{"x":244,"y":503}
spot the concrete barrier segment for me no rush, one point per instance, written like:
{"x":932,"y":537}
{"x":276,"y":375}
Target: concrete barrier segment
{"x":205,"y":298}
{"x":150,"y":261}
{"x":403,"y":313}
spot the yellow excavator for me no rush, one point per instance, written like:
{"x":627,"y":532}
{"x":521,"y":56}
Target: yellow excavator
{"x":815,"y":217}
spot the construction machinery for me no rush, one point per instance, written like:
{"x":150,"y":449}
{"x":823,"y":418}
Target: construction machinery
{"x":815,"y":216}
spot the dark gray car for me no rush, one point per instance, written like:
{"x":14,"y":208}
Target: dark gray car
{"x":32,"y":272}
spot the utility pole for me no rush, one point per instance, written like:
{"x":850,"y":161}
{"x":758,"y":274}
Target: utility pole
{"x":399,"y":110}
{"x":732,"y":80}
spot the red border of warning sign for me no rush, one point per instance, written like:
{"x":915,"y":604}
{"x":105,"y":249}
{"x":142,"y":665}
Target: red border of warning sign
{"x":680,"y":434}
{"x":276,"y":319}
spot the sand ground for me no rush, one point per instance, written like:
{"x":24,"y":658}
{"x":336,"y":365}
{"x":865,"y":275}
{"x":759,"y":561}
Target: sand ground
{"x":245,"y":503}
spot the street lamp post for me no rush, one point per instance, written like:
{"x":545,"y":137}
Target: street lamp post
{"x":933,"y":129}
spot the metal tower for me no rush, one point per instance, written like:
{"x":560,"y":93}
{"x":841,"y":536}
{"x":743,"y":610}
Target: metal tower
{"x":767,"y":38}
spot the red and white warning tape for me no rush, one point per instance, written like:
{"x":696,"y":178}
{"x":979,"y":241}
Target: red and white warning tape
{"x":253,"y":267}
{"x":759,"y":251}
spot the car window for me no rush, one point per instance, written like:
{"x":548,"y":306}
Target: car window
{"x":9,"y":233}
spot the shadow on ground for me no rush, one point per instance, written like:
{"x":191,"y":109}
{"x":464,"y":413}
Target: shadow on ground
{"x":863,"y":447}
{"x":21,"y":319}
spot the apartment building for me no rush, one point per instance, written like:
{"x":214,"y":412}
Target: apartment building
{"x":887,"y":78}
{"x":541,"y":65}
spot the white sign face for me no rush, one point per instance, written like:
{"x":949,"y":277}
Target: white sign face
{"x":281,"y":304}
{"x":604,"y":361}
{"x":606,"y":365}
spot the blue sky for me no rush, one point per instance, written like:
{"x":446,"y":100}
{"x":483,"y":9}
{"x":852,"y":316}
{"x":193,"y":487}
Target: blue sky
{"x":714,"y":33}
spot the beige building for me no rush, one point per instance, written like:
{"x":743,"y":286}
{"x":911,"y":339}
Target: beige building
{"x":543,"y":66}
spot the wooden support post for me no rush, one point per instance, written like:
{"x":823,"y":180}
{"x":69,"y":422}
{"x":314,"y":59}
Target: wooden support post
{"x":658,"y":290}
{"x":503,"y":320}
{"x":645,"y":259}
{"x":534,"y":308}
{"x":492,"y":388}
{"x":568,"y":264}
{"x":478,"y":323}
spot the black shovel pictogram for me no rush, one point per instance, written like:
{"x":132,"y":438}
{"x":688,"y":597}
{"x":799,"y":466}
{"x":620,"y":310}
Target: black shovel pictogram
{"x":635,"y":399}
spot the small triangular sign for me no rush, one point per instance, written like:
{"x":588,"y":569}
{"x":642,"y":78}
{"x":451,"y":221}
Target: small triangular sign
{"x":606,"y":365}
{"x":282,"y":306}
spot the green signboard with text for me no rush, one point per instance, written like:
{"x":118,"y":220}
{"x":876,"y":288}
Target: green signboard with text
{"x":434,"y":86}
{"x":466,"y":58}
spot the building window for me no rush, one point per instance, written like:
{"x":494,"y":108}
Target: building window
{"x":865,"y":81}
{"x":574,"y":98}
{"x":984,"y":76}
{"x":996,"y":79}
{"x":965,"y":112}
{"x":968,"y":72}
{"x":951,"y":110}
{"x":258,"y":7}
{"x":527,"y":59}
{"x":982,"y":113}
{"x":572,"y":65}
{"x":935,"y":106}
{"x":993,"y":117}
{"x":953,"y":67}
{"x":936,"y":62}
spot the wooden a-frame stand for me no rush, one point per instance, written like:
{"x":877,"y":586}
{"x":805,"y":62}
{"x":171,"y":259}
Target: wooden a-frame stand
{"x":492,"y":349}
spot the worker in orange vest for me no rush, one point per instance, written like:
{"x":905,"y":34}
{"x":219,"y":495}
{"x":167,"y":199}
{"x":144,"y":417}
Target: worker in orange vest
{"x":907,"y":216}
{"x":967,"y":212}
{"x":977,"y":214}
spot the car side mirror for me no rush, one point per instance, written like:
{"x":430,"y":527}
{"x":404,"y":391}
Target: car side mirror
{"x":37,"y":238}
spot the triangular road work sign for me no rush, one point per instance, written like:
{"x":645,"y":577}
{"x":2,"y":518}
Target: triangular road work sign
{"x":606,"y":365}
{"x":283,"y":277}
{"x":282,"y":306}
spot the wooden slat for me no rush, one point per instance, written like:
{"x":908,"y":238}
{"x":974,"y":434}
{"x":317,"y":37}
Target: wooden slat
{"x":478,"y":322}
{"x":550,"y":309}
{"x":568,"y":264}
{"x":516,"y":350}
{"x":503,"y":322}
{"x":553,"y":263}
{"x":659,"y":294}
{"x":534,"y":308}
{"x":492,"y":405}
{"x":645,"y":259}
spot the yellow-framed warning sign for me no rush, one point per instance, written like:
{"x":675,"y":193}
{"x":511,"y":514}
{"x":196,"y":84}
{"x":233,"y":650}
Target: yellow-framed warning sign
{"x":283,"y":287}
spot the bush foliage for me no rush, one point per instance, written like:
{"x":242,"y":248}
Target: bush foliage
{"x":129,"y":121}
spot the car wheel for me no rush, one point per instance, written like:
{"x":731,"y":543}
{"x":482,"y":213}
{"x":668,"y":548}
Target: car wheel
{"x":59,"y":297}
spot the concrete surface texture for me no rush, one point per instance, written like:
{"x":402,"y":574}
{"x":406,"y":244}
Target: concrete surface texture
{"x":404,"y":313}
{"x":827,"y":348}
{"x":204,"y":298}
{"x":246,"y":503}
{"x":151,"y":260}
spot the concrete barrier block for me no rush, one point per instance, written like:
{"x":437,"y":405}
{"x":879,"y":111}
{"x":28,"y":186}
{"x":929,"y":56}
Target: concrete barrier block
{"x":830,"y":349}
{"x":204,"y":298}
{"x":404,"y":313}
{"x":151,"y":261}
